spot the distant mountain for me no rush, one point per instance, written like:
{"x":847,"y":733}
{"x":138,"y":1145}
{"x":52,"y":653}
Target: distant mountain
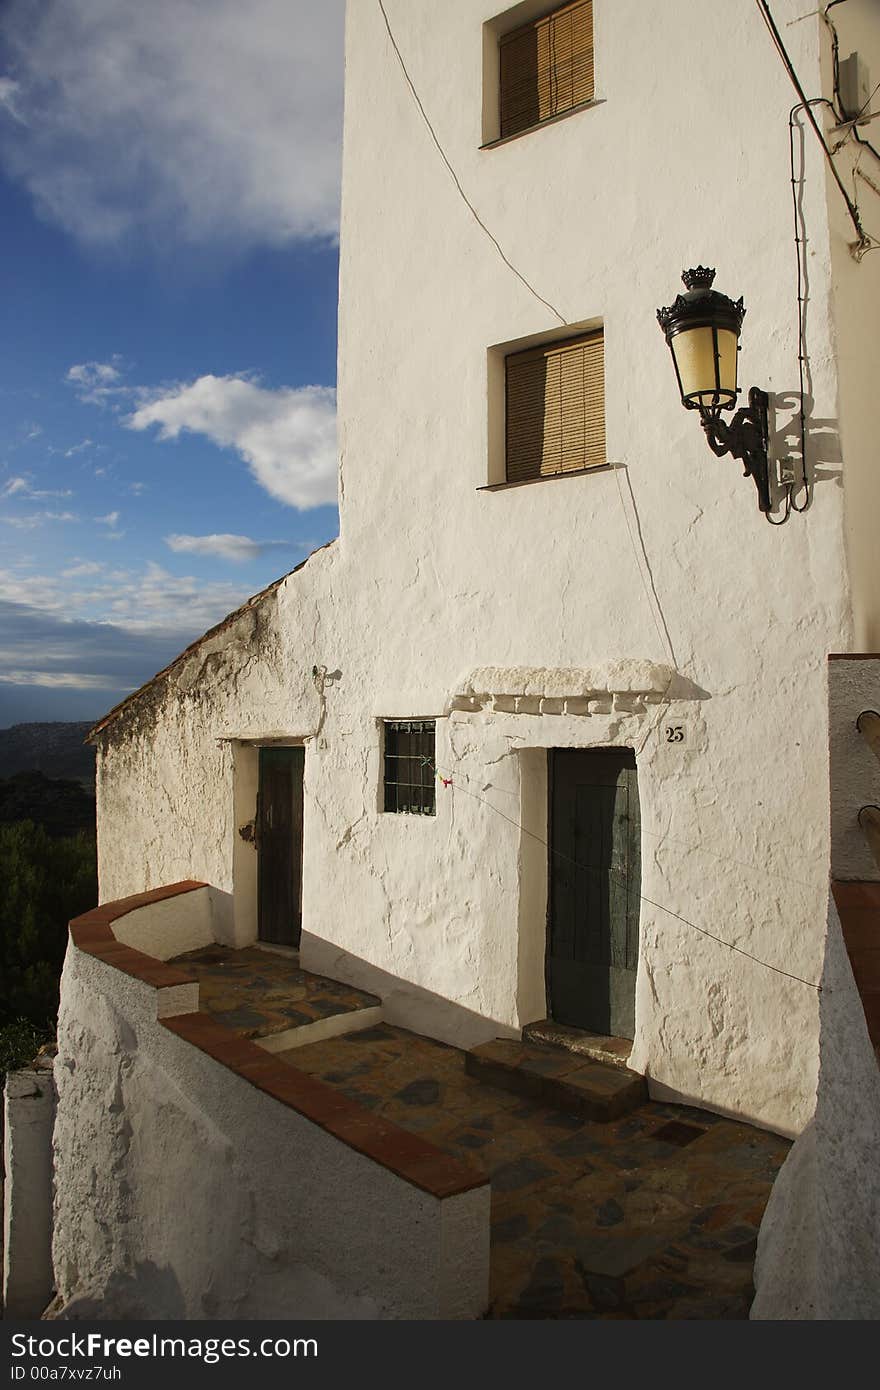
{"x":62,"y":807}
{"x":56,"y":750}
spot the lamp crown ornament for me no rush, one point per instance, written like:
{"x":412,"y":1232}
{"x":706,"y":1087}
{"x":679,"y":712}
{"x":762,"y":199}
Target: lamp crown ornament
{"x":700,"y":278}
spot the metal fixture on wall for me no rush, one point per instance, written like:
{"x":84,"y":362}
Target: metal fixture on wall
{"x":702,"y":329}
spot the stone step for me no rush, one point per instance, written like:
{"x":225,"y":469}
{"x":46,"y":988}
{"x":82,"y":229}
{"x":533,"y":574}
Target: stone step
{"x":333,"y":1026}
{"x":595,"y":1046}
{"x":562,"y":1079}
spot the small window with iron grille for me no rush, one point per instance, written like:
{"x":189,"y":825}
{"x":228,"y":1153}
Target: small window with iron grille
{"x":409,"y":766}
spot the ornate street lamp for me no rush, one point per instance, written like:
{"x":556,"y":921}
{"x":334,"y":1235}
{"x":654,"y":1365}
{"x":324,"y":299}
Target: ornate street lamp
{"x":702,"y":329}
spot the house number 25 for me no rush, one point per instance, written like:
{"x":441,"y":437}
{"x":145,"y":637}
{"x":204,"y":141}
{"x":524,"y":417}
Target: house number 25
{"x":674,"y":733}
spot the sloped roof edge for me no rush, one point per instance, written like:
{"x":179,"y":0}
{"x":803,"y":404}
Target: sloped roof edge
{"x":224,"y":623}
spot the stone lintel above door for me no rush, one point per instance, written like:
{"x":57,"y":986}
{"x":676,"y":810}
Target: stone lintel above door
{"x":625,"y":685}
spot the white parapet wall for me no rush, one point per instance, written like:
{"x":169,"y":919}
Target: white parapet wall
{"x":28,"y":1116}
{"x":819,"y":1243}
{"x":184,"y":1190}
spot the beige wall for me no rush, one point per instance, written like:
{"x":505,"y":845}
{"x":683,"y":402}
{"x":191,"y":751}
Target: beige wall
{"x":856,"y":313}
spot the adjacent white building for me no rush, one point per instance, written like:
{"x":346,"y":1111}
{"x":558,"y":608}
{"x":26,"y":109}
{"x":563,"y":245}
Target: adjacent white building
{"x":548,"y":721}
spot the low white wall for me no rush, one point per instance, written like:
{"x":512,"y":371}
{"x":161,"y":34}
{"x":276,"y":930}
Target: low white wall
{"x":819,"y":1243}
{"x":184,"y":1192}
{"x":28,"y":1113}
{"x":171,"y":926}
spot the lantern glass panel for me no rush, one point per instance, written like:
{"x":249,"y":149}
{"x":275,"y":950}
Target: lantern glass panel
{"x":694,"y":352}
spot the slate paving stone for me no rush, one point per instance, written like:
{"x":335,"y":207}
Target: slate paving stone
{"x":424,"y":1091}
{"x":258,"y":994}
{"x":588,"y":1220}
{"x":523,"y":1172}
{"x":510,"y":1228}
{"x":610,"y":1213}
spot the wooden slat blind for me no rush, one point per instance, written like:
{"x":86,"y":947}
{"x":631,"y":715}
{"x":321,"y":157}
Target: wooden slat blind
{"x":547,"y":67}
{"x":555,"y":398}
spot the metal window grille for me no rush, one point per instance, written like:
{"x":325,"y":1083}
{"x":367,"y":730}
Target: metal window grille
{"x":409,"y":766}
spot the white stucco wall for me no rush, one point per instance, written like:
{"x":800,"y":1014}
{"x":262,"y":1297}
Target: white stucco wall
{"x":444,"y":916}
{"x":819,"y":1244}
{"x":28,"y":1116}
{"x":184,"y":1192}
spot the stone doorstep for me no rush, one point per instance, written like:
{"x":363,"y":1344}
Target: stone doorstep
{"x":594,"y":1090}
{"x":334,"y":1026}
{"x":599,"y":1048}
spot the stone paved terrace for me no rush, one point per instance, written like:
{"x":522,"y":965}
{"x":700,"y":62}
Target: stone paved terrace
{"x":651,"y":1216}
{"x":260,"y":994}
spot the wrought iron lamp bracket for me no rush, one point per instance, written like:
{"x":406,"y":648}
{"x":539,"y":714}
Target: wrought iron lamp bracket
{"x":746,"y":437}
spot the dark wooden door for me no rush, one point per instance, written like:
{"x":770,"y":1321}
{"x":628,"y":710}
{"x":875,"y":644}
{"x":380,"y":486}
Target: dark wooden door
{"x":279,"y":845}
{"x":594,"y":881}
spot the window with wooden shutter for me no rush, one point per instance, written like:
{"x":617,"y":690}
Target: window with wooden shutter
{"x":547,"y":67}
{"x":555,"y":408}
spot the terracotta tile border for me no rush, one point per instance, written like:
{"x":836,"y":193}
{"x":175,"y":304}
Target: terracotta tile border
{"x":858,"y":905}
{"x":408,"y":1155}
{"x":93,"y":934}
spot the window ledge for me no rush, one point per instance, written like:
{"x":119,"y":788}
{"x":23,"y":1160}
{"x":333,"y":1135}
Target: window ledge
{"x":539,"y":125}
{"x":548,"y":477}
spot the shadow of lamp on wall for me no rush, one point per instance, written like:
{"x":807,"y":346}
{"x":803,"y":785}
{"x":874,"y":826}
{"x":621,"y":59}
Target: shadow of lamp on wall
{"x":702,"y":329}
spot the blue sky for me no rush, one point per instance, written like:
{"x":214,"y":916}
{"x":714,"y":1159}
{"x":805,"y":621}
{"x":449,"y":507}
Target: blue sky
{"x":169,"y":190}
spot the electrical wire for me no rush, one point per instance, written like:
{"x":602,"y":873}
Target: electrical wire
{"x":592,"y":868}
{"x":801,"y":305}
{"x":663,"y":634}
{"x":455,"y":179}
{"x":835,"y":68}
{"x":863,"y":242}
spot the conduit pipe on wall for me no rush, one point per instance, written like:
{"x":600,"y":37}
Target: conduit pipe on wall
{"x":869,"y":820}
{"x":868,"y":724}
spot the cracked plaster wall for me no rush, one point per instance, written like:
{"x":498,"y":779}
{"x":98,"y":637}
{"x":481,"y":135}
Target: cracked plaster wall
{"x":432,"y":577}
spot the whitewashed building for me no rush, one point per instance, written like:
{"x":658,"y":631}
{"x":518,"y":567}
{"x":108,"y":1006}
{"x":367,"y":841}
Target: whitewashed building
{"x":549,"y":718}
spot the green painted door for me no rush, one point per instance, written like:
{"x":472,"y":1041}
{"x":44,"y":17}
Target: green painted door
{"x":279,"y":845}
{"x":594,"y":881}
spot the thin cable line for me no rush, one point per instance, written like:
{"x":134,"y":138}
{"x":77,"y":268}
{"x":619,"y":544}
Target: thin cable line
{"x":799,"y":242}
{"x":591,"y":868}
{"x":455,"y":179}
{"x":665,"y":639}
{"x":864,"y":242}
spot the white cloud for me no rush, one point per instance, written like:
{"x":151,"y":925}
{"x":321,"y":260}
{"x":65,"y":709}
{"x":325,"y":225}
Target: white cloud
{"x":68,"y":680}
{"x":78,"y":448}
{"x":81,"y":569}
{"x":93,"y":373}
{"x":227,"y":547}
{"x":109,"y":520}
{"x":95,"y":383}
{"x":35,"y":519}
{"x":151,"y":601}
{"x":287,"y":437}
{"x":21,"y":487}
{"x":9,"y":98}
{"x":189,"y":120}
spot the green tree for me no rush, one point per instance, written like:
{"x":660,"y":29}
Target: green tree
{"x":44,"y":882}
